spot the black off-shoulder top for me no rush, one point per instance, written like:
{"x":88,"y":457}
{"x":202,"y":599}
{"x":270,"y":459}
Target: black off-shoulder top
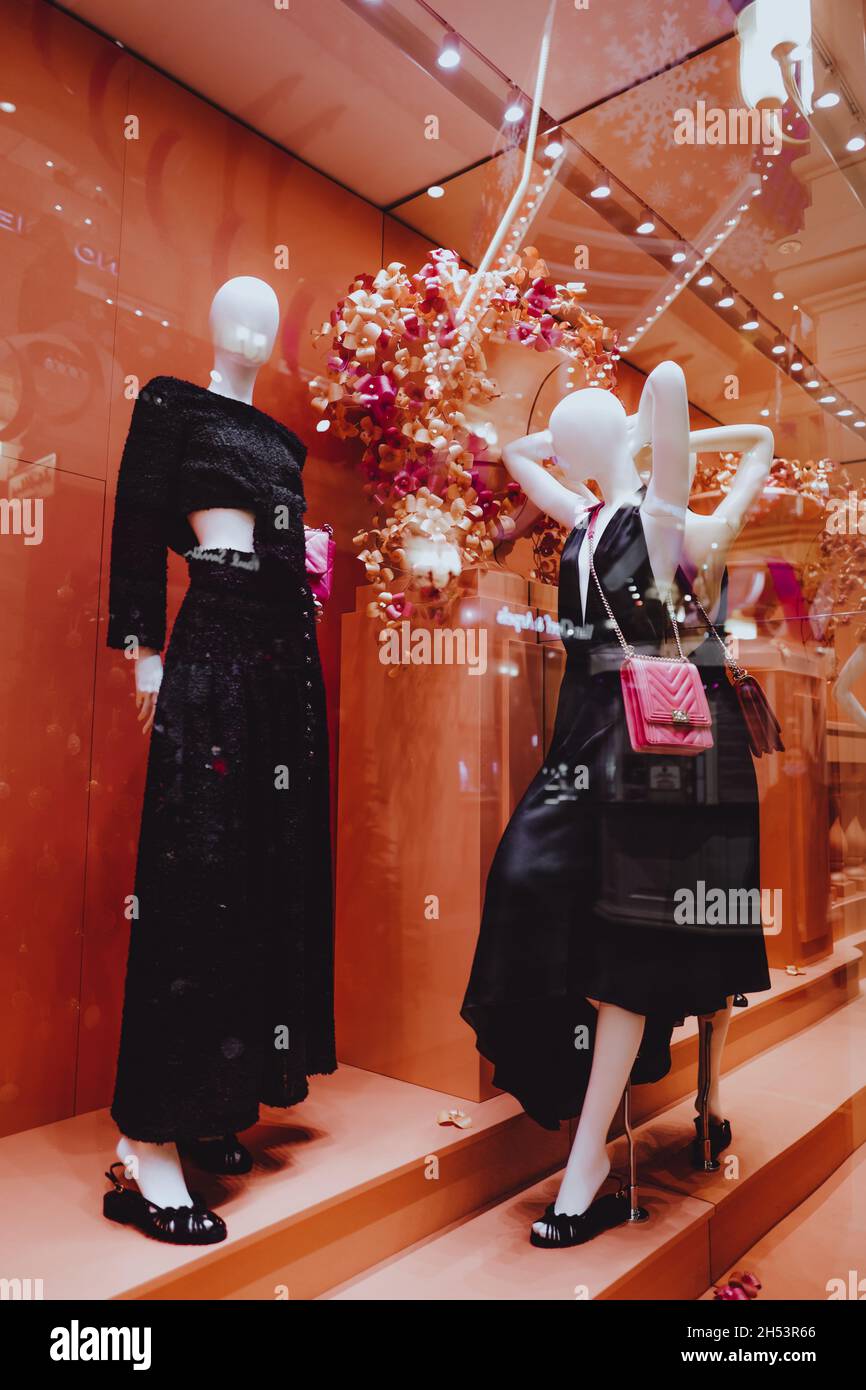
{"x":189,"y":449}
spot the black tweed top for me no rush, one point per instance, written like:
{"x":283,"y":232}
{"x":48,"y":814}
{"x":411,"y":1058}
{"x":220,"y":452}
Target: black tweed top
{"x":189,"y":449}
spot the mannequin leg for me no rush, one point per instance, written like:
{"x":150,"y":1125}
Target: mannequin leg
{"x":721,"y":1023}
{"x":617,"y":1039}
{"x":156,"y":1168}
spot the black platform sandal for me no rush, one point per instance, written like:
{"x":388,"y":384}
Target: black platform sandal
{"x":720,"y":1139}
{"x":226,"y":1155}
{"x":564,"y":1231}
{"x":194,"y":1225}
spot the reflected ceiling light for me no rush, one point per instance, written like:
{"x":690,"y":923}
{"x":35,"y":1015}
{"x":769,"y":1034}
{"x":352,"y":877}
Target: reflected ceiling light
{"x":856,"y":142}
{"x":601,"y":190}
{"x":449,"y":53}
{"x":514,"y":110}
{"x":705,"y":280}
{"x":726,"y":302}
{"x":826,"y":400}
{"x":8,"y":107}
{"x":828,"y":99}
{"x":553,"y":149}
{"x":435,"y":191}
{"x":772,"y":33}
{"x":750,"y":324}
{"x":678,"y":256}
{"x":645,"y":227}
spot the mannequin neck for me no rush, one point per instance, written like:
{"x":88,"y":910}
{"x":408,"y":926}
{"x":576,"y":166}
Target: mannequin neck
{"x":619,"y":480}
{"x":233,"y":378}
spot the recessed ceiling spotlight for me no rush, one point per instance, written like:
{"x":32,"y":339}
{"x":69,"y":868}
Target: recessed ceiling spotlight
{"x":744,"y":207}
{"x":8,"y":108}
{"x":435,"y":191}
{"x":827,"y":99}
{"x":705,"y":280}
{"x":646,"y":227}
{"x":777,"y":294}
{"x":726,"y":302}
{"x":826,"y":400}
{"x":601,"y":190}
{"x":765,"y":412}
{"x":750,"y":324}
{"x":678,"y":256}
{"x":449,"y":53}
{"x":514,"y":110}
{"x":553,"y":149}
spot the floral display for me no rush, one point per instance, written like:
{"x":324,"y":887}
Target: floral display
{"x":409,"y":380}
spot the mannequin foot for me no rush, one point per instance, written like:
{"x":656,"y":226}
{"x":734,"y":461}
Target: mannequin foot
{"x":156,"y":1170}
{"x":577,"y":1191}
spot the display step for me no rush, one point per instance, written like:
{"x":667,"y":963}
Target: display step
{"x":798,"y":1112}
{"x":355,"y":1175}
{"x":819,"y":1251}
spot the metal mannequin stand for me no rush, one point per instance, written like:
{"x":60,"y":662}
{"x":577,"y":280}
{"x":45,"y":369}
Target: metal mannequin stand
{"x":705,"y":1036}
{"x":636,"y":1212}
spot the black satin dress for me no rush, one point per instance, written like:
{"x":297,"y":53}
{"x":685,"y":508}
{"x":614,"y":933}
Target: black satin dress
{"x":580,"y":900}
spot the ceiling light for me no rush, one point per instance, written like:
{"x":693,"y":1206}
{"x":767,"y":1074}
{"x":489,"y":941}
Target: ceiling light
{"x":856,"y":142}
{"x":813,"y":385}
{"x":322,"y":426}
{"x":644,"y":228}
{"x":779,"y":348}
{"x":796,"y":366}
{"x":826,"y":400}
{"x":827,"y":99}
{"x":449,"y":53}
{"x":705,"y":280}
{"x":765,"y":412}
{"x":777,"y":294}
{"x":844,"y":412}
{"x":554,"y":149}
{"x":860,"y":424}
{"x":514,"y":110}
{"x":601,"y":190}
{"x":726,"y":302}
{"x":435,"y":191}
{"x":8,"y":107}
{"x":678,"y":256}
{"x":750,"y":324}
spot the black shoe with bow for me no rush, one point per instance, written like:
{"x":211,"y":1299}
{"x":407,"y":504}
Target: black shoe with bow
{"x":194,"y":1225}
{"x":562,"y":1231}
{"x":720,"y":1139}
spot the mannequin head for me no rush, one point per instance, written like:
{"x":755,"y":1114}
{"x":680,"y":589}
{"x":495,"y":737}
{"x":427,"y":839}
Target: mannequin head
{"x":590,"y":440}
{"x":244,"y":318}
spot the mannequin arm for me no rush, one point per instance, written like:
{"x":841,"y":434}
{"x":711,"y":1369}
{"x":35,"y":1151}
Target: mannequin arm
{"x":663,"y":419}
{"x":851,"y":672}
{"x":755,"y":443}
{"x":523,"y":458}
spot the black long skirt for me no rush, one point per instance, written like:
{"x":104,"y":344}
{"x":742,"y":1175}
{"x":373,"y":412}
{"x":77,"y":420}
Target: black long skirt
{"x":229,"y":985}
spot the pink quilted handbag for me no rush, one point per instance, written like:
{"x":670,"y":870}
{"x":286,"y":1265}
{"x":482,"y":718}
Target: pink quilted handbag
{"x":320,"y":548}
{"x":666,"y":708}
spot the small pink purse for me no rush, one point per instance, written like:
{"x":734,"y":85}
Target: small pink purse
{"x":666,"y":709}
{"x":320,"y":549}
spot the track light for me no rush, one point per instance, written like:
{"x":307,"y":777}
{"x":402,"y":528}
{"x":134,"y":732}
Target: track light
{"x":435,"y":191}
{"x":856,"y":142}
{"x":749,"y":325}
{"x":705,"y":280}
{"x":796,"y":366}
{"x":813,"y":385}
{"x":779,"y":347}
{"x":601,"y":190}
{"x":449,"y":53}
{"x":826,"y":400}
{"x":554,"y":148}
{"x":828,"y":99}
{"x":645,"y":227}
{"x":514,"y":110}
{"x":726,"y":302}
{"x":678,"y":257}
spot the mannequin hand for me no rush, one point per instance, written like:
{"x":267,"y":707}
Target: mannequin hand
{"x":148,"y":679}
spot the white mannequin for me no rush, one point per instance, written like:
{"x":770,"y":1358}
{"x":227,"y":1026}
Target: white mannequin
{"x":592,"y":438}
{"x":244,"y":318}
{"x":848,"y":677}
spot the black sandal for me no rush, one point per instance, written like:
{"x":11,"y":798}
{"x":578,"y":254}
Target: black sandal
{"x":194,"y":1225}
{"x":227,"y":1155}
{"x":720,"y":1139}
{"x":563,"y":1231}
